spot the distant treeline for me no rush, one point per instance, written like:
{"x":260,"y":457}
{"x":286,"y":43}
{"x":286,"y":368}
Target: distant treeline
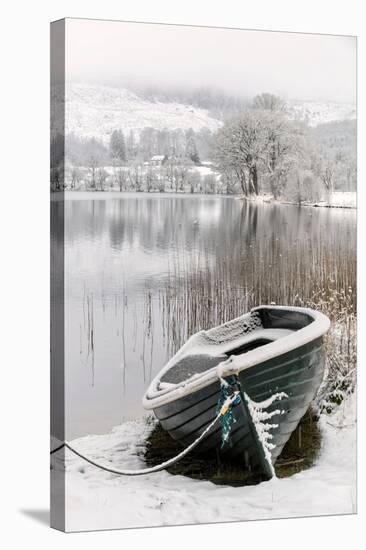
{"x":131,"y":146}
{"x":256,"y":151}
{"x":174,"y":177}
{"x":218,"y":103}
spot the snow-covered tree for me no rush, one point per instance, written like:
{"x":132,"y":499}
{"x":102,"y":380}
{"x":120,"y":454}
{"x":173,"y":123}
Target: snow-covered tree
{"x":120,"y":177}
{"x":101,"y":178}
{"x":135,"y":175}
{"x":284,"y":148}
{"x":75,"y":176}
{"x":304,"y":186}
{"x":147,"y":144}
{"x":268,"y":102}
{"x":191,"y":147}
{"x":150,"y":179}
{"x":261,"y":143}
{"x":94,"y":160}
{"x":209,"y":184}
{"x":241,"y":148}
{"x":194,"y":181}
{"x":131,"y":148}
{"x":117,"y":147}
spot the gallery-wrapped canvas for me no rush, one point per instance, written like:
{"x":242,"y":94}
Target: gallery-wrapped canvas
{"x":203,"y":275}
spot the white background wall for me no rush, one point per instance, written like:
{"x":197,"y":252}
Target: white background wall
{"x":24,"y":358}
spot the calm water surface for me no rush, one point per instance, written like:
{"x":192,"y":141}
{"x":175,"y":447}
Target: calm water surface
{"x":143,"y":272}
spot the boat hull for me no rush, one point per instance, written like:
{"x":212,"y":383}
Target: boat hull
{"x":298,"y":373}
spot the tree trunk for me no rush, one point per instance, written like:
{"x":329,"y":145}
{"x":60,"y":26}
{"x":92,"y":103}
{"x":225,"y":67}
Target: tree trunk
{"x":243,"y":182}
{"x":254,"y":179}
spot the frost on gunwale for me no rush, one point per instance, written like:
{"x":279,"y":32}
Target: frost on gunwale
{"x":219,"y":341}
{"x":212,"y":342}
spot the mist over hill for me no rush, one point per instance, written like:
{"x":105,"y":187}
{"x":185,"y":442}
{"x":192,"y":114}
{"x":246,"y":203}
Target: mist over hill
{"x":184,"y":141}
{"x":95,"y":111}
{"x":315,"y":113}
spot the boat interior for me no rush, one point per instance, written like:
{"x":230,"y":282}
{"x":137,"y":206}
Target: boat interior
{"x":207,"y":349}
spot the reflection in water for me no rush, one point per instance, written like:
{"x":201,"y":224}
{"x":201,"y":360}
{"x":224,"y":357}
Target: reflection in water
{"x":145,"y":272}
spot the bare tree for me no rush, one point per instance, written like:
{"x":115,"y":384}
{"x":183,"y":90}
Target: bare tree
{"x":194,"y":181}
{"x":135,"y":175}
{"x":181,"y":171}
{"x":240,"y":148}
{"x":259,"y":144}
{"x":328,"y":176}
{"x":149,"y":179}
{"x":57,"y":177}
{"x":228,"y":182}
{"x":269,"y":102}
{"x":284,"y":148}
{"x":160,"y":181}
{"x":304,"y":186}
{"x":168,"y":172}
{"x":117,"y":147}
{"x":120,"y":177}
{"x":93,"y":166}
{"x":101,"y":177}
{"x":94,"y":160}
{"x":209,"y":184}
{"x":75,"y":177}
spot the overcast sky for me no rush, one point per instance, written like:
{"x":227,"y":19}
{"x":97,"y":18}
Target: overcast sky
{"x":298,"y":66}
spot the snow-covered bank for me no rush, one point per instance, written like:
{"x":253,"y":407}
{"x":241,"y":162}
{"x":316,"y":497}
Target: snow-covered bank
{"x":98,"y":500}
{"x":337,"y":199}
{"x":341,"y":199}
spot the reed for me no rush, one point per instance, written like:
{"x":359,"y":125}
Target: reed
{"x":218,"y":271}
{"x":204,"y":294}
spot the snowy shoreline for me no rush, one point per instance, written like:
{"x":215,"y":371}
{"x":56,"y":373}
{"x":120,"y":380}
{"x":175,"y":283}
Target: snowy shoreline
{"x":338,"y":199}
{"x":98,"y":500}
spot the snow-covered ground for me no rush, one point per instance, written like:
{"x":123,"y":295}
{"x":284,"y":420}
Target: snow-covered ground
{"x":320,"y":112}
{"x":342,"y":199}
{"x":337,"y":199}
{"x":98,"y":500}
{"x":95,"y":111}
{"x":206,"y":171}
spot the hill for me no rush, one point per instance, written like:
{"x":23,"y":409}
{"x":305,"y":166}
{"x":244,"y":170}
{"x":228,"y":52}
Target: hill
{"x":95,"y":111}
{"x":314,"y":113}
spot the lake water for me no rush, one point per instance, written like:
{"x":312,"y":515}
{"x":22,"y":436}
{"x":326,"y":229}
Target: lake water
{"x":143,"y":272}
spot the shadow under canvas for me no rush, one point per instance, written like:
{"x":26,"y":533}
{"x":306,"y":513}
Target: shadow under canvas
{"x":41,"y":515}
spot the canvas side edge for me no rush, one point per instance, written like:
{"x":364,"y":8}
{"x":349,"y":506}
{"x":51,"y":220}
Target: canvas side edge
{"x":57,"y":260}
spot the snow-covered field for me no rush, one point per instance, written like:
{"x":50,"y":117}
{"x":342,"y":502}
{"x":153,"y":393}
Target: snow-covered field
{"x":95,"y":111}
{"x":98,"y":500}
{"x":320,"y":112}
{"x":342,"y":199}
{"x":337,"y":199}
{"x":206,"y":171}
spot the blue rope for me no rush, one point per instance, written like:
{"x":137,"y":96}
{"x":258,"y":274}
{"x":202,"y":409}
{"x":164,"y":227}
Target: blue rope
{"x":227,"y":419}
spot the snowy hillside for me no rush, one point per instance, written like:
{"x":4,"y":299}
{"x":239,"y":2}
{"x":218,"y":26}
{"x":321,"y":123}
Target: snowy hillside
{"x":320,"y":112}
{"x":95,"y":111}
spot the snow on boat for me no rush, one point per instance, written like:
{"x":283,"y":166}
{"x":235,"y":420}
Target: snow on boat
{"x":273,"y":355}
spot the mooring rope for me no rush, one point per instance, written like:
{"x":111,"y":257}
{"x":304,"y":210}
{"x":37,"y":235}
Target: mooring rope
{"x":225,"y":408}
